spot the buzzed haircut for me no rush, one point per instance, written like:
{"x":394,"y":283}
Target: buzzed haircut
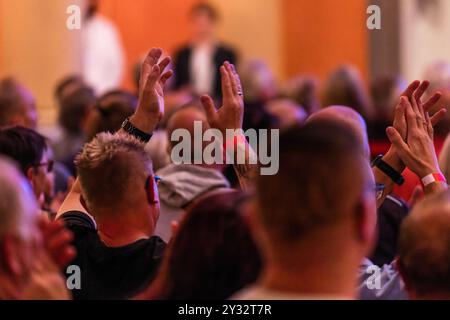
{"x":207,"y":8}
{"x":10,"y":98}
{"x":424,"y":246}
{"x":24,"y":146}
{"x":320,"y":177}
{"x":109,"y":168}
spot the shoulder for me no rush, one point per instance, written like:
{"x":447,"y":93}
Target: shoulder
{"x":78,"y":219}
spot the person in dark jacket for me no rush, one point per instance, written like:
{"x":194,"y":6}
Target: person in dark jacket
{"x":197,"y":63}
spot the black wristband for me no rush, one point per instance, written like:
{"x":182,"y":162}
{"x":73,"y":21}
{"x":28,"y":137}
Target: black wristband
{"x":135,"y":132}
{"x":396,"y":177}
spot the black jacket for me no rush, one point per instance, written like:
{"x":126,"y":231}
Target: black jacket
{"x":182,"y":60}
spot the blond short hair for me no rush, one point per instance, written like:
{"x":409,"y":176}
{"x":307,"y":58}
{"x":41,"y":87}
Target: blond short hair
{"x":109,"y":168}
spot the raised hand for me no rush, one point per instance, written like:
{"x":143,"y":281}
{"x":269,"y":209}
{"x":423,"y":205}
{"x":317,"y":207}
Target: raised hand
{"x":417,"y":152}
{"x":231,"y":114}
{"x":150,"y":107}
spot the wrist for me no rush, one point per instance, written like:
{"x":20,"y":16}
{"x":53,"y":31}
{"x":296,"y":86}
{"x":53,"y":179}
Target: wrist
{"x":144,"y":121}
{"x":392,"y":159}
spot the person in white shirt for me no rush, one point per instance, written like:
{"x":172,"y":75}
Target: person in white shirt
{"x":102,"y":52}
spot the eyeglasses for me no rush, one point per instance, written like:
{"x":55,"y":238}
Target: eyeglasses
{"x":379,"y":190}
{"x":49,"y":164}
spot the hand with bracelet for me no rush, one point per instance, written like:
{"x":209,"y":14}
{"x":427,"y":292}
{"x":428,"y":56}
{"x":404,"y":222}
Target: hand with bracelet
{"x":413,"y":143}
{"x":150,"y":107}
{"x":392,"y":159}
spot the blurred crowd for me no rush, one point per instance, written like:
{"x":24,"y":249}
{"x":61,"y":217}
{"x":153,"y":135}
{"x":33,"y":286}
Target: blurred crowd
{"x":95,"y":194}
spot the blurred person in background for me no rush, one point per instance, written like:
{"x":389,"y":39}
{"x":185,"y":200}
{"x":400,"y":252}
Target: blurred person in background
{"x":438,"y":74}
{"x":29,"y":150}
{"x":17,"y":105}
{"x":102,"y":52}
{"x":182,"y":184}
{"x":198,"y":62}
{"x":228,"y":260}
{"x":424,"y":249}
{"x":385,"y":92}
{"x":345,"y":87}
{"x":73,"y":113}
{"x":32,"y":251}
{"x":304,"y":91}
{"x":110,"y":110}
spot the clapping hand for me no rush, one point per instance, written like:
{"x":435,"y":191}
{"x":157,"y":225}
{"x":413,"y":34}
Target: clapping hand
{"x":150,"y":107}
{"x":231,"y":114}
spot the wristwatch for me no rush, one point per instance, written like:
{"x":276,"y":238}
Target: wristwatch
{"x":135,"y":132}
{"x":388,"y":170}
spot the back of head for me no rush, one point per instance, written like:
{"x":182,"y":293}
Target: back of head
{"x":66,"y":86}
{"x":385,"y":92}
{"x":24,"y":146}
{"x":347,"y":117}
{"x":186,"y":119}
{"x":14,"y":100}
{"x":345,"y":87}
{"x":424,"y":248}
{"x":257,"y":80}
{"x":321,"y":180}
{"x":113,"y":169}
{"x":74,"y":109}
{"x":18,"y":209}
{"x":110,"y":111}
{"x":225,"y":260}
{"x":303,"y":90}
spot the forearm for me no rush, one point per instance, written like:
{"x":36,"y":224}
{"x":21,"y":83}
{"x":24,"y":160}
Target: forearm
{"x":72,"y":202}
{"x":248,"y":169}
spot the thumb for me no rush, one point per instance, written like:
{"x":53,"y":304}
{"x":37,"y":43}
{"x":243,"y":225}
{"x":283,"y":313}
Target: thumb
{"x":209,"y":107}
{"x":396,"y":140}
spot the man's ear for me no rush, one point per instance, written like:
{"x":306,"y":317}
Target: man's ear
{"x":9,"y":256}
{"x":152,"y":191}
{"x":366,"y":220}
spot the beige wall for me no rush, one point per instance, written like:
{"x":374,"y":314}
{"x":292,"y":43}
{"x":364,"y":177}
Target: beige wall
{"x":254,"y":27}
{"x":36,"y":47}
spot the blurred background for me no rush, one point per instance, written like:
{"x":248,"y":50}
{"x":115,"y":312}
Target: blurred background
{"x":292,"y":37}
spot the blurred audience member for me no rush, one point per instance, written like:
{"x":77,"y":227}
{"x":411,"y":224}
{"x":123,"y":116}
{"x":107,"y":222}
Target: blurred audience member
{"x":287,"y":112}
{"x":17,"y":105}
{"x":74,"y":109}
{"x":385,"y":92}
{"x":444,"y":158}
{"x":102,"y":53}
{"x":29,"y":149}
{"x":111,"y":109}
{"x":345,"y":87}
{"x":424,"y":249}
{"x":304,"y":91}
{"x":438,"y":74}
{"x":66,"y":86}
{"x":300,"y":238}
{"x":182,"y":184}
{"x":228,"y":260}
{"x":31,"y":250}
{"x":197,"y":63}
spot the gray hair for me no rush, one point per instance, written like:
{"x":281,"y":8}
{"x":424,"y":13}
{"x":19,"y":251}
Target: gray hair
{"x":18,"y":209}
